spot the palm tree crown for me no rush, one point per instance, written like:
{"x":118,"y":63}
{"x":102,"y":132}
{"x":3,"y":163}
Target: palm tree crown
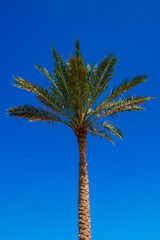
{"x":73,"y":97}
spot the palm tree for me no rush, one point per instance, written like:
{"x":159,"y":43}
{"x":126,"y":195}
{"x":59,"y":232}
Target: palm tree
{"x":74,"y":99}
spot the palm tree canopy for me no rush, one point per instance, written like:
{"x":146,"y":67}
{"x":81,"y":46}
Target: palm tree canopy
{"x":73,"y":96}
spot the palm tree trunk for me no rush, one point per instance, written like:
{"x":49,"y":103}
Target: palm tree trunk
{"x":84,"y":222}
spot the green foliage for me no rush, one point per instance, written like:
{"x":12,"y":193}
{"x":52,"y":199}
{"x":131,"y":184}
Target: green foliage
{"x":74,"y":92}
{"x":100,"y":132}
{"x":77,"y":49}
{"x":100,"y":77}
{"x":127,"y":85}
{"x":111,"y":108}
{"x":112,"y":128}
{"x":35,"y":114}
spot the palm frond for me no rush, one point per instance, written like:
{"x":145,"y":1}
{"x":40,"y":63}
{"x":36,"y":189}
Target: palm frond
{"x":104,"y":73}
{"x":77,"y":48}
{"x":35,"y":114}
{"x":112,"y":128}
{"x":41,"y":93}
{"x":101,"y":133}
{"x":91,"y":75}
{"x":78,"y":84}
{"x":100,"y":77}
{"x":48,"y":75}
{"x":120,"y":105}
{"x":60,"y":73}
{"x":43,"y":96}
{"x":106,"y":68}
{"x":126,"y":104}
{"x":126,"y":86}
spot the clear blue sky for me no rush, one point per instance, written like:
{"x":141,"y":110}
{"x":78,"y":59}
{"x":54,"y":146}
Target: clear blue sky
{"x":39,"y":164}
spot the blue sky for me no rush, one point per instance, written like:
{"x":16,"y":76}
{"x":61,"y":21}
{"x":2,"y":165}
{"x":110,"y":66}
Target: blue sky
{"x":39,"y":164}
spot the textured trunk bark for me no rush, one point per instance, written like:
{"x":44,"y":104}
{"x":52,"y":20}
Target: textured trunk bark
{"x":84,"y":222}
